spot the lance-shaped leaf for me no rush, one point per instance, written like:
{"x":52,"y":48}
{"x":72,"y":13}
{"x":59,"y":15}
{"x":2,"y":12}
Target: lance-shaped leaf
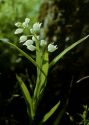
{"x":57,"y":58}
{"x":50,"y":113}
{"x":26,"y":55}
{"x":26,"y":95}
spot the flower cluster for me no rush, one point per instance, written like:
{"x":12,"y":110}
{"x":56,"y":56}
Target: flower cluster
{"x":34,"y":31}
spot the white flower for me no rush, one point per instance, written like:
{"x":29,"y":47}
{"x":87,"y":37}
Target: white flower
{"x":18,"y":24}
{"x":43,"y":43}
{"x":27,"y":20}
{"x":28,"y":42}
{"x":18,"y":31}
{"x":52,"y":48}
{"x":31,"y":30}
{"x":25,"y":24}
{"x":35,"y":39}
{"x":23,"y":38}
{"x":31,"y":47}
{"x":36,"y":27}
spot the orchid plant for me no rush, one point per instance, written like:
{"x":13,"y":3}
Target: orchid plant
{"x":31,"y":38}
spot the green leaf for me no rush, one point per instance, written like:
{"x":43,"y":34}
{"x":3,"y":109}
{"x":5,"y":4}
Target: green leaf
{"x":60,"y":115}
{"x":50,"y":113}
{"x":26,"y":55}
{"x":26,"y":95}
{"x":23,"y":53}
{"x":57,"y":58}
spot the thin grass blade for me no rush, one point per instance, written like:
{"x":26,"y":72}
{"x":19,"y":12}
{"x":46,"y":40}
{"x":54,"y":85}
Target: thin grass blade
{"x":25,"y":92}
{"x":57,"y":58}
{"x":50,"y":113}
{"x":26,"y":55}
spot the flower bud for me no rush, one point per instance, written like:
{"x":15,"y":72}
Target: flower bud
{"x":18,"y":24}
{"x":25,"y":24}
{"x":35,"y":39}
{"x":28,"y":42}
{"x":43,"y":43}
{"x":18,"y":31}
{"x":36,"y":27}
{"x":31,"y":30}
{"x":51,"y":47}
{"x":31,"y":47}
{"x":27,"y":20}
{"x":23,"y":38}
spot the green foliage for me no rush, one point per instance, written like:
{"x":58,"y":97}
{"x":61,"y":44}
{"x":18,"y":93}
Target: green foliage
{"x":57,"y":58}
{"x":50,"y":113}
{"x":26,"y":95}
{"x":11,"y":11}
{"x":84,"y":116}
{"x":42,"y":73}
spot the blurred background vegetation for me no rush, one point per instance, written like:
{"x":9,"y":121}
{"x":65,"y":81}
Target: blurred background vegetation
{"x":64,"y":22}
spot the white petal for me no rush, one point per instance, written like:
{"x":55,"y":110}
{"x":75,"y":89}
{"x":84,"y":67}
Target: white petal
{"x":23,"y":38}
{"x":18,"y":31}
{"x":31,"y":47}
{"x":31,"y":30}
{"x":28,"y":42}
{"x":27,"y":20}
{"x":52,"y":48}
{"x":24,"y":24}
{"x":36,"y":27}
{"x":18,"y":24}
